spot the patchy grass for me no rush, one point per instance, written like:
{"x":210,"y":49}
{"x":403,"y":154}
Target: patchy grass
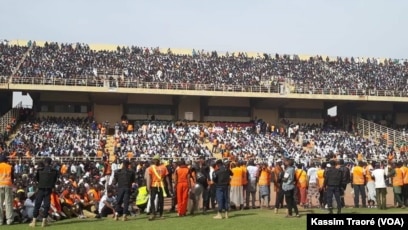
{"x":246,"y":219}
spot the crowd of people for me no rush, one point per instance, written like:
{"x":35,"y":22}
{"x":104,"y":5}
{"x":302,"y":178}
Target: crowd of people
{"x":134,"y":66}
{"x":251,"y":151}
{"x":10,"y":56}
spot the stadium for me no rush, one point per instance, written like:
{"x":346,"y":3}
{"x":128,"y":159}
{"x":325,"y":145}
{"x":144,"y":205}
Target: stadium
{"x":124,"y":136}
{"x":110,"y":94}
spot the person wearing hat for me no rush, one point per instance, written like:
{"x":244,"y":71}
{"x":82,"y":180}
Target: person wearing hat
{"x":6,"y":189}
{"x":156,"y":173}
{"x":46,"y":178}
{"x":124,"y":178}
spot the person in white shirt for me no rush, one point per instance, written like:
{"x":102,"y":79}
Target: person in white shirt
{"x":29,"y":206}
{"x":379,"y":175}
{"x":212,"y":197}
{"x":106,"y":204}
{"x":252,"y":183}
{"x":313,"y":188}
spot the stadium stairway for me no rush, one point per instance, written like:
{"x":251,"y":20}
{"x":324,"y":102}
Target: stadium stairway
{"x":20,"y":63}
{"x":110,"y":146}
{"x":209,"y":145}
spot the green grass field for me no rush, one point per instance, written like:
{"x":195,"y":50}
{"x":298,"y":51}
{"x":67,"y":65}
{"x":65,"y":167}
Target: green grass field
{"x":247,"y":219}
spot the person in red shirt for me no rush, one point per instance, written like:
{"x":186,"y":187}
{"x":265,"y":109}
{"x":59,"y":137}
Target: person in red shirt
{"x":155,"y":185}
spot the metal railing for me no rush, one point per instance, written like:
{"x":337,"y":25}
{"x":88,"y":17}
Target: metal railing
{"x":92,"y":82}
{"x":380,"y":133}
{"x":281,"y":87}
{"x":7,"y":117}
{"x":68,"y":159}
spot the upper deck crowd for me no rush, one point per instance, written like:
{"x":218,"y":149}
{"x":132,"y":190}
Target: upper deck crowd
{"x":78,"y":64}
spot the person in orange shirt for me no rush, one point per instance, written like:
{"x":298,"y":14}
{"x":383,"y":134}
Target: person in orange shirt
{"x":6,"y":191}
{"x":155,"y":185}
{"x":183,"y":185}
{"x":56,"y":205}
{"x":68,"y":204}
{"x":236,"y":191}
{"x":370,"y":185}
{"x":397,"y":183}
{"x":94,"y":196}
{"x":404,"y":169}
{"x":301,"y":184}
{"x":64,"y":169}
{"x":242,"y":165}
{"x":264,"y":185}
{"x":358,"y":181}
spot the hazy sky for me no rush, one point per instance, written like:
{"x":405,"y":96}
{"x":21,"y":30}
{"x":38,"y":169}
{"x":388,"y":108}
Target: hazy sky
{"x":375,"y":28}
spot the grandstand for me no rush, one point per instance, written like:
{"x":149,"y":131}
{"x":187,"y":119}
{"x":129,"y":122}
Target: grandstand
{"x":76,"y":80}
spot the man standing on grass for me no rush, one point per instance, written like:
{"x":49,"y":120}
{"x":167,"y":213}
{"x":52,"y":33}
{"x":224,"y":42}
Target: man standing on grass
{"x":6,"y":190}
{"x":222,"y":178}
{"x":358,"y":184}
{"x":124,"y":177}
{"x":288,"y":187}
{"x":46,"y":177}
{"x":182,"y":181}
{"x":379,"y":176}
{"x":313,"y":188}
{"x":156,"y":174}
{"x":332,"y":184}
{"x":345,"y":181}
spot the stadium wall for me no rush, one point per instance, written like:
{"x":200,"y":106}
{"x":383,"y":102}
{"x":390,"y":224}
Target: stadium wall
{"x":111,"y":113}
{"x":229,"y":102}
{"x":306,"y":107}
{"x":231,"y":119}
{"x":375,"y":106}
{"x":272,"y":110}
{"x":401,"y":118}
{"x":53,"y":114}
{"x":150,"y":99}
{"x":305,"y":104}
{"x":189,"y":104}
{"x":6,"y":101}
{"x":63,"y":97}
{"x":145,"y":117}
{"x":270,"y":116}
